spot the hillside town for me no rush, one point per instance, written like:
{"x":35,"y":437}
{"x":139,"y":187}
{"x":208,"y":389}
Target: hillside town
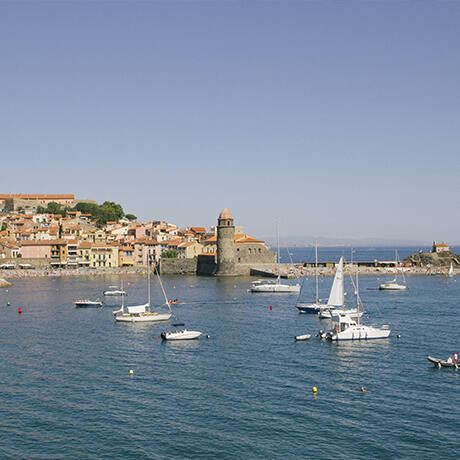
{"x":30,"y":237}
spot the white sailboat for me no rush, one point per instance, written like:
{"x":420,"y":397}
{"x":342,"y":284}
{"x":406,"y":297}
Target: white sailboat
{"x":336,"y":296}
{"x":142,"y":313}
{"x":394,"y":285}
{"x":275,"y":286}
{"x":451,"y":273}
{"x":316,"y":306}
{"x":349,"y":328}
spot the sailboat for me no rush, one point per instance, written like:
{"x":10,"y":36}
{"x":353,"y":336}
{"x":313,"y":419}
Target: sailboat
{"x":142,"y":313}
{"x":393,"y":285}
{"x":451,"y":273}
{"x":275,"y":286}
{"x":348,"y":327}
{"x":316,"y":305}
{"x":336,"y":296}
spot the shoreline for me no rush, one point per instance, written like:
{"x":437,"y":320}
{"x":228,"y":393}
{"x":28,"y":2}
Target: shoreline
{"x":297,"y":271}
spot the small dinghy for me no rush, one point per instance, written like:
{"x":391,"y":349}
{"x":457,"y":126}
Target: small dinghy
{"x":443,"y":363}
{"x":180,"y":334}
{"x":299,"y":338}
{"x":88,"y":303}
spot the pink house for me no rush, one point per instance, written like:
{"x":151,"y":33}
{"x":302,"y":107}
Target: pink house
{"x":36,"y":249}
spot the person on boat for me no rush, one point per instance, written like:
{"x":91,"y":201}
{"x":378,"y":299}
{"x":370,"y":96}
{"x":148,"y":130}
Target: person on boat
{"x":455,"y":358}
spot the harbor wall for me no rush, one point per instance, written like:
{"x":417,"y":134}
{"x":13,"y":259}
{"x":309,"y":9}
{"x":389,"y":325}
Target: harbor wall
{"x":178,"y":266}
{"x":36,"y":263}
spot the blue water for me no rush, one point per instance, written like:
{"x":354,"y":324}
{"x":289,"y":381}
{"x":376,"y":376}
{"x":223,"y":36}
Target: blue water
{"x":65,"y":389}
{"x":363,"y":254}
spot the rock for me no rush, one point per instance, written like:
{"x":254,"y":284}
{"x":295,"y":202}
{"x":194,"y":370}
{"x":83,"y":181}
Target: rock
{"x":435,"y":259}
{"x":4,"y":283}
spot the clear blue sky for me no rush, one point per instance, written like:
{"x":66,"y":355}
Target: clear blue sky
{"x":340,"y":119}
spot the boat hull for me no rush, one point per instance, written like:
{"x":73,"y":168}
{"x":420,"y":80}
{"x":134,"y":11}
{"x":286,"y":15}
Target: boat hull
{"x":276,"y":288}
{"x":442,"y":363}
{"x":392,"y":287}
{"x":300,"y":338}
{"x":181,"y":335}
{"x":88,"y":304}
{"x":310,"y":307}
{"x":143,"y":318}
{"x":361,"y":332}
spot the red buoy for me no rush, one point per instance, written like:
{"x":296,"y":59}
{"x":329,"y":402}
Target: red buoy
{"x":19,"y":310}
{"x":271,"y":307}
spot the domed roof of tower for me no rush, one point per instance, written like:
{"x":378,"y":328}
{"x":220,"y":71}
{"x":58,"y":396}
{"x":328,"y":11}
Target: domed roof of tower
{"x":225,"y":214}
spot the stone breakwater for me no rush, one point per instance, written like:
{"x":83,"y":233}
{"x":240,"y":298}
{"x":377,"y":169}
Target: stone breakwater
{"x":287,"y":271}
{"x":39,"y":273}
{"x":298,"y":271}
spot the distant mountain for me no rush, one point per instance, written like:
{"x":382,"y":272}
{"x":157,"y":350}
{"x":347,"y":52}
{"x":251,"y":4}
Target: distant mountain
{"x":357,"y":242}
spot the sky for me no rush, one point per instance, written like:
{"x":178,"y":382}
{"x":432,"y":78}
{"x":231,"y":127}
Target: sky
{"x":335,"y":119}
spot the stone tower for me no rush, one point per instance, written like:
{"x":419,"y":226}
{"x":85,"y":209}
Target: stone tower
{"x":226,"y":254}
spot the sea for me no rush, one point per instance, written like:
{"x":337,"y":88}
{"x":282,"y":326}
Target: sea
{"x":244,"y":389}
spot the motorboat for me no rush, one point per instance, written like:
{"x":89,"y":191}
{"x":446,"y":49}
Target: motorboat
{"x":275,"y":286}
{"x":449,"y":362}
{"x":115,"y":292}
{"x":300,"y":338}
{"x":349,"y":327}
{"x":143,"y":313}
{"x":182,"y":334}
{"x":88,"y":303}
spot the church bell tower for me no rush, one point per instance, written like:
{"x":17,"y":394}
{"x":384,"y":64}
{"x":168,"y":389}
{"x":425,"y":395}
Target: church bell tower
{"x":226,"y":254}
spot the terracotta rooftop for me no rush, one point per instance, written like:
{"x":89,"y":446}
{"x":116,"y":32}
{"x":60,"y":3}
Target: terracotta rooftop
{"x":31,"y":196}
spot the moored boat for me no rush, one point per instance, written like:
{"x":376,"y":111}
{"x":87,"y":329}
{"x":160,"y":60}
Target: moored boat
{"x":275,"y":286}
{"x":349,"y":327}
{"x":438,"y":362}
{"x":143,"y":313}
{"x":300,"y":338}
{"x":88,"y":303}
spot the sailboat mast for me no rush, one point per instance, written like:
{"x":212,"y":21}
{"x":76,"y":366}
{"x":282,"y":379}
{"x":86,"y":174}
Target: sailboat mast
{"x":279,"y":260}
{"x":358,"y":301}
{"x":316,"y":271}
{"x":148,"y":279}
{"x":122,"y":299}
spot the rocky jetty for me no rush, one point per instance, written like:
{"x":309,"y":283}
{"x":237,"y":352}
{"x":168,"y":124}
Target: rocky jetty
{"x":4,"y":283}
{"x":435,"y":259}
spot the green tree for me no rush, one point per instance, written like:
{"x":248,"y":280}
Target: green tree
{"x":4,"y":225}
{"x":131,"y":217}
{"x":169,"y":254}
{"x":53,"y":207}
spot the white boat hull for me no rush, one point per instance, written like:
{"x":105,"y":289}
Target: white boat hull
{"x":143,"y":317}
{"x":181,"y":335}
{"x":302,"y":337}
{"x":277,"y":288}
{"x":392,"y":287}
{"x":114,"y":293}
{"x":361,"y":332}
